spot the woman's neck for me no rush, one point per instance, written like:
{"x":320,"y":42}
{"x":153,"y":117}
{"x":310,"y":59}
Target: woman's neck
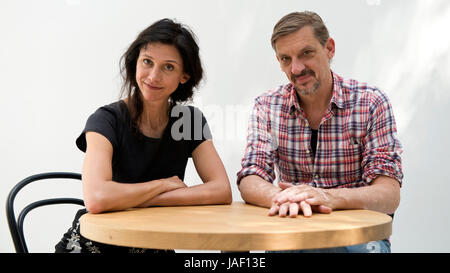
{"x":155,"y":114}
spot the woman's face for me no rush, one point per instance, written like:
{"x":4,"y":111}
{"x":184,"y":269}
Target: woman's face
{"x":159,"y":71}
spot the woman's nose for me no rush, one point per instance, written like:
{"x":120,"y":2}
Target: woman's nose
{"x":154,"y":75}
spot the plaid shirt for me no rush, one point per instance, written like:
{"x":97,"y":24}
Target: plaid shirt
{"x":357,"y":138}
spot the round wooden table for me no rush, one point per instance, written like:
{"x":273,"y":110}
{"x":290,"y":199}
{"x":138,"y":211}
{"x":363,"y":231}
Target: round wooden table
{"x":235,"y":227}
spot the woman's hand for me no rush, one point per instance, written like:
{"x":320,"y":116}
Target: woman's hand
{"x":172,"y":183}
{"x":214,"y":190}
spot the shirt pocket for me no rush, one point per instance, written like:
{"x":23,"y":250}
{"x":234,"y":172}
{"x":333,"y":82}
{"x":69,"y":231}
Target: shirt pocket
{"x":349,"y":160}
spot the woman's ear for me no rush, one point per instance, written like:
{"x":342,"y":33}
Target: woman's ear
{"x":184,"y":78}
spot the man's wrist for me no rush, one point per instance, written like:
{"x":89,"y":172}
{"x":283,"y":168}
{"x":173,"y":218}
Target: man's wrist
{"x":337,"y":198}
{"x":274,"y":193}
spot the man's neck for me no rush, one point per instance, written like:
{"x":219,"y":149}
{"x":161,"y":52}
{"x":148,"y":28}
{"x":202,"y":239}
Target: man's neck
{"x":315,"y":105}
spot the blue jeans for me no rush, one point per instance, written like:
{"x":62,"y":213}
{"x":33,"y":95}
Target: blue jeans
{"x":382,"y":246}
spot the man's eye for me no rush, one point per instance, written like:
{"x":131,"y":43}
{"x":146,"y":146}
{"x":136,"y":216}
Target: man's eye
{"x":307,"y":52}
{"x":284,"y":59}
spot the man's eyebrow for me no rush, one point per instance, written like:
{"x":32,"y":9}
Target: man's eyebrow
{"x":308,"y":47}
{"x":150,"y":57}
{"x":282,"y":56}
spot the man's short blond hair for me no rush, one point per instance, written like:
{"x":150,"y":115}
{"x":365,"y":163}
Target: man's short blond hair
{"x":294,"y":21}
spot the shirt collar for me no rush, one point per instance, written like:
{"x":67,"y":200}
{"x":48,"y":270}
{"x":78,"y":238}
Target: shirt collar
{"x":338,"y":95}
{"x":336,"y":99}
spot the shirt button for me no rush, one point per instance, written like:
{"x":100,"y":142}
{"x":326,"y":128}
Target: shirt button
{"x":316,"y":176}
{"x":307,"y":151}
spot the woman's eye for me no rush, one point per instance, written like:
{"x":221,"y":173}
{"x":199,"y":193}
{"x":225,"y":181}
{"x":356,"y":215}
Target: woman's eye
{"x":169,"y":67}
{"x":146,"y":61}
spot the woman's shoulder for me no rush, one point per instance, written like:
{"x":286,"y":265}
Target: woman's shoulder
{"x":114,"y":115}
{"x":115,"y":107}
{"x":115,"y":110}
{"x":107,"y":120}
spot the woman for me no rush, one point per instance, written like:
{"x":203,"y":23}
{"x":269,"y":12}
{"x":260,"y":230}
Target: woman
{"x":134,"y":154}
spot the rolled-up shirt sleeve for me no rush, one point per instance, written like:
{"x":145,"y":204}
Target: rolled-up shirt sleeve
{"x":260,"y":151}
{"x":382,"y":151}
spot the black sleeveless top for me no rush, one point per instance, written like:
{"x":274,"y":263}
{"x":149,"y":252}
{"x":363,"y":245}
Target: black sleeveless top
{"x":138,"y":158}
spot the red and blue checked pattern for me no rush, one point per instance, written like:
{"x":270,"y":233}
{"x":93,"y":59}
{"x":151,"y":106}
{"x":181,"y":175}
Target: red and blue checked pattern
{"x":357,"y":138}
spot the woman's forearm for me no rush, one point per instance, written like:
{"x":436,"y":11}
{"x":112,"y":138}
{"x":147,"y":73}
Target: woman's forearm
{"x":209,"y":193}
{"x":110,"y":195}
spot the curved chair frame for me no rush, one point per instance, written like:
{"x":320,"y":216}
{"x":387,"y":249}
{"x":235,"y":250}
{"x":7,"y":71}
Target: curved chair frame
{"x":16,"y":226}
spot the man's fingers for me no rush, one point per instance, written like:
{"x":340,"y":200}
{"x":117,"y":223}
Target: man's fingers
{"x":274,"y":210}
{"x":297,"y":198}
{"x":283,"y":209}
{"x":285,"y":195}
{"x":306,"y":208}
{"x":281,"y":199}
{"x":322,"y":209}
{"x":293,"y":210}
{"x":317,"y":205}
{"x":313,"y":201}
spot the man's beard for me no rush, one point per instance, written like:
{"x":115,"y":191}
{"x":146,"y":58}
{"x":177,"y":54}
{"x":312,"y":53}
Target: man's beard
{"x":308,"y":91}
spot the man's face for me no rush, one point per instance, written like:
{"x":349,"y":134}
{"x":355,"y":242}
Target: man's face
{"x":304,"y":60}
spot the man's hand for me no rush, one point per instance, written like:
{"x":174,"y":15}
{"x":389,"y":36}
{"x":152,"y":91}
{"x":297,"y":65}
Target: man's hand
{"x":303,"y":198}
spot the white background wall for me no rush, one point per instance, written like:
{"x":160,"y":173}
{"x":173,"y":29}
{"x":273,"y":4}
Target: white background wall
{"x":59,"y":62}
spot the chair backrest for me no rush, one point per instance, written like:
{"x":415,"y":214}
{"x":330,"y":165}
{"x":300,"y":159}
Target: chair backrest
{"x":16,"y":225}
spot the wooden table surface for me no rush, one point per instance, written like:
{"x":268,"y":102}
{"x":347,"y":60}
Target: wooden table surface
{"x":235,"y":227}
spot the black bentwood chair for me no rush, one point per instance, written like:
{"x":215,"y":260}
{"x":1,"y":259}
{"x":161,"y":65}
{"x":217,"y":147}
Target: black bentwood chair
{"x":16,"y":225}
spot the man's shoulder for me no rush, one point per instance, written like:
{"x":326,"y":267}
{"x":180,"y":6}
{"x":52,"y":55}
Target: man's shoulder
{"x":353,"y":85}
{"x":276,"y":95}
{"x":352,"y":88}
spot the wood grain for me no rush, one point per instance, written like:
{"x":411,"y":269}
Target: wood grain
{"x":235,"y":227}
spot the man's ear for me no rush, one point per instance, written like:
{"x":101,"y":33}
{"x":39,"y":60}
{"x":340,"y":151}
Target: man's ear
{"x":331,"y":48}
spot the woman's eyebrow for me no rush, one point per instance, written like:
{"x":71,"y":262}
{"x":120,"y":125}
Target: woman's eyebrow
{"x":150,"y":57}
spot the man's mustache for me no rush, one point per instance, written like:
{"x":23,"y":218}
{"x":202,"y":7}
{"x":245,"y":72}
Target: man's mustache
{"x":303,"y":73}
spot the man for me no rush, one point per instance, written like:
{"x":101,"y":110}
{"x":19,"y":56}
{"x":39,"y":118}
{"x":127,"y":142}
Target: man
{"x":332,"y":140}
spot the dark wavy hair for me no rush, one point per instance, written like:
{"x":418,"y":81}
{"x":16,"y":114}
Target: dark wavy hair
{"x":165,"y":31}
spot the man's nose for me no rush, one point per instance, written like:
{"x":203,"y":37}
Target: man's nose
{"x":297,"y":66}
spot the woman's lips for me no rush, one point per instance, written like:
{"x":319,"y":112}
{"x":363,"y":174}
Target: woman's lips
{"x":153,"y":87}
